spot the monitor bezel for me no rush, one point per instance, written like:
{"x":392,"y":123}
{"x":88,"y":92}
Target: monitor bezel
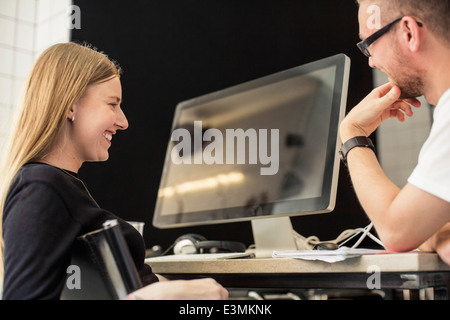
{"x":325,"y":203}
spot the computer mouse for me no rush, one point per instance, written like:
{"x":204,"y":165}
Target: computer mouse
{"x":326,"y":246}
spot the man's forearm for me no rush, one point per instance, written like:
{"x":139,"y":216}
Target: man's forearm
{"x":374,"y":190}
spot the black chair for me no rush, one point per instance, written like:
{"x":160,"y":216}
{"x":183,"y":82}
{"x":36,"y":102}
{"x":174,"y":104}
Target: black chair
{"x":102,"y":266}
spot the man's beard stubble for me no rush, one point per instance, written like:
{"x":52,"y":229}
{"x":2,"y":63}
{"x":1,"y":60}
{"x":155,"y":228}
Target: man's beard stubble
{"x":410,"y":81}
{"x":410,"y":86}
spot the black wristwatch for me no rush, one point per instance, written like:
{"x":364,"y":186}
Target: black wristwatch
{"x":360,"y":141}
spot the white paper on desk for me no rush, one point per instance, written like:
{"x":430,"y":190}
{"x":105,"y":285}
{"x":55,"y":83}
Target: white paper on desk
{"x":326,"y":255}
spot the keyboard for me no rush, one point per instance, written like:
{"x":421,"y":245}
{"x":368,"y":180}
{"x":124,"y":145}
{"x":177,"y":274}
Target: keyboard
{"x":202,"y":256}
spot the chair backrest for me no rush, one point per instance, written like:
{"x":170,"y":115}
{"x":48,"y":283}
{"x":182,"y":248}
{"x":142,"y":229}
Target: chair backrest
{"x":101,"y":267}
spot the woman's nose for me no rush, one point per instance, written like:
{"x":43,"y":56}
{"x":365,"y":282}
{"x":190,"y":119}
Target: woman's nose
{"x":122,"y":121}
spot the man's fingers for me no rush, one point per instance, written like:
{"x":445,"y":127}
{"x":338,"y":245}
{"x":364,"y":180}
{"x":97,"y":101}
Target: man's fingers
{"x":382,"y":90}
{"x":392,"y":96}
{"x":413,"y":102}
{"x":406,"y":105}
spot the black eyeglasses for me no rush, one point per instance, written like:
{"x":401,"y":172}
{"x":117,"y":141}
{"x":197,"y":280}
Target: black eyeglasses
{"x":364,"y":45}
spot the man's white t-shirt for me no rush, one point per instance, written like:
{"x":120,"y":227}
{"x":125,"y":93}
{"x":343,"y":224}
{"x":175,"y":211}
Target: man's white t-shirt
{"x":432,"y":173}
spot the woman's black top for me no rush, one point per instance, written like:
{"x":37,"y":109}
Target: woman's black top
{"x":46,"y":209}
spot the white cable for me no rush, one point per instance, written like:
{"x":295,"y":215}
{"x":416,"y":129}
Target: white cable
{"x":366,"y":231}
{"x":345,"y":236}
{"x":371,"y":236}
{"x":354,"y":232}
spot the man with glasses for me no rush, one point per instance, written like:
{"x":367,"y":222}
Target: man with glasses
{"x":412,"y":46}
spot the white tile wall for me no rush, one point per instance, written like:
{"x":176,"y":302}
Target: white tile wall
{"x":27,"y":27}
{"x":24,"y":36}
{"x":5,"y":91}
{"x":7,"y":30}
{"x":399,"y":143}
{"x":5,"y":114}
{"x":6,"y":61}
{"x":8,"y":8}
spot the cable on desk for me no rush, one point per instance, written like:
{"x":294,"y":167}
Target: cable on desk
{"x":308,"y":243}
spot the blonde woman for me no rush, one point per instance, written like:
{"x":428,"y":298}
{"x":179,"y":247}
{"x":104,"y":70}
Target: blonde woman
{"x":70,"y":112}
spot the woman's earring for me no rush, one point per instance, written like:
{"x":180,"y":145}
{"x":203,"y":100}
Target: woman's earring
{"x":73,"y":118}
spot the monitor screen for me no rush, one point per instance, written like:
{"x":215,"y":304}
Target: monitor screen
{"x":262,"y":149}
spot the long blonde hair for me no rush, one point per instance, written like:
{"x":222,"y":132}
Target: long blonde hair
{"x":57,"y":80}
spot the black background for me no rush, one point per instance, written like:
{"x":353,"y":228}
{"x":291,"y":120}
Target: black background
{"x":174,"y":50}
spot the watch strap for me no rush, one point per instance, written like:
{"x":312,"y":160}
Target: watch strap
{"x":359,"y":141}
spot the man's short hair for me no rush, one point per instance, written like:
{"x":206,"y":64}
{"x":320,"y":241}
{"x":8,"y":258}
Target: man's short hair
{"x":434,"y":13}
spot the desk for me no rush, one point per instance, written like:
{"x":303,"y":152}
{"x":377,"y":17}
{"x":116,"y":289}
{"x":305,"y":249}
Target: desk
{"x":409,"y":272}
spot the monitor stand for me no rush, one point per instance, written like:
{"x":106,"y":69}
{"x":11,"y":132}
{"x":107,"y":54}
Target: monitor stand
{"x":272,"y":234}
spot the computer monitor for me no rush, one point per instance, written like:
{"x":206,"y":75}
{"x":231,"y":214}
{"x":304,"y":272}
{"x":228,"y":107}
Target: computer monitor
{"x":261,"y":151}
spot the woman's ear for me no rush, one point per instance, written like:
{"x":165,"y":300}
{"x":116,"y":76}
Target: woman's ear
{"x":71,"y":116}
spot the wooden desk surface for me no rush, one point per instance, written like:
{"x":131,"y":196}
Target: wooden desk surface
{"x":401,"y":262}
